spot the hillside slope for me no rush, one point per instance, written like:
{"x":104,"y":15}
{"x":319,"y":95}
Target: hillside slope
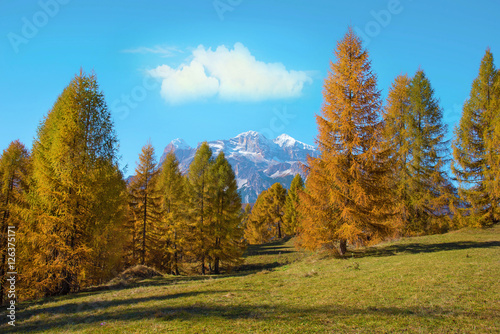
{"x":434,"y":284}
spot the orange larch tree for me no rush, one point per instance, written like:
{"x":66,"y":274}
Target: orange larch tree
{"x":352,"y":165}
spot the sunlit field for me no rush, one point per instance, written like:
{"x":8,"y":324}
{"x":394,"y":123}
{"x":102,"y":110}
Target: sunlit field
{"x":433,"y":284}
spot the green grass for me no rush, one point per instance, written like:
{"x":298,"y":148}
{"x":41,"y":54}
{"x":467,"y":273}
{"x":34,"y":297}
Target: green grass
{"x":434,"y":284}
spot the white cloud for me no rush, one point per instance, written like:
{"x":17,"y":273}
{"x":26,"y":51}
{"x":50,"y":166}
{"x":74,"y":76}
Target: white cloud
{"x":189,"y":82}
{"x":232,"y":75}
{"x":165,"y":51}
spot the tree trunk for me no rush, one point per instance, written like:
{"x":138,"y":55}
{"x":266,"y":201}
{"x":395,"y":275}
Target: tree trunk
{"x":176,"y":256}
{"x":176,"y":266}
{"x":144,"y":230}
{"x":343,"y":247}
{"x":201,"y":224}
{"x":66,"y":282}
{"x":216,"y":266}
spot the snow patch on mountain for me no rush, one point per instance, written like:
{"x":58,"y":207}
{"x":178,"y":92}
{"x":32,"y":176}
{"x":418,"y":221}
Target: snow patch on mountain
{"x":284,"y":140}
{"x":241,"y":182}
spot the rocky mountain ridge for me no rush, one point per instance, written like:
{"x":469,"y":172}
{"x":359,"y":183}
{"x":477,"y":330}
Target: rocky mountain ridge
{"x":257,"y":161}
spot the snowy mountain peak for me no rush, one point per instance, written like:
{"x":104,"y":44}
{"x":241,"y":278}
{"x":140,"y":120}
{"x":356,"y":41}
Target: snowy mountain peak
{"x":250,"y":134}
{"x":258,"y":162}
{"x":180,"y":144}
{"x":284,"y":140}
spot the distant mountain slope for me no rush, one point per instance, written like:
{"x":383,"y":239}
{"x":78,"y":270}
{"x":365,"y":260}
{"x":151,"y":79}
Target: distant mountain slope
{"x":258,"y":162}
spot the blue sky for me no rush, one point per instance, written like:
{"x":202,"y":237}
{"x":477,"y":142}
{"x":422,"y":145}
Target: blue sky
{"x":162,"y":64}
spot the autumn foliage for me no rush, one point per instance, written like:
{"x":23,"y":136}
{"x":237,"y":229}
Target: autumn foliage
{"x":76,"y":198}
{"x":348,"y":183}
{"x":266,"y":221}
{"x":382,"y":171}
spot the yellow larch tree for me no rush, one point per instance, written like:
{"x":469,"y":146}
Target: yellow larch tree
{"x":76,"y":194}
{"x":145,"y":205}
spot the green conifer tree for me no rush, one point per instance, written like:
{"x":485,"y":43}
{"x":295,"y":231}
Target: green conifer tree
{"x":428,"y":182}
{"x":475,"y":148}
{"x":291,"y":217}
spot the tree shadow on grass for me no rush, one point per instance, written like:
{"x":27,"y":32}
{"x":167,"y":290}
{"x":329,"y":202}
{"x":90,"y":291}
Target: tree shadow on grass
{"x":93,"y":305}
{"x":274,"y":248}
{"x":251,"y":268}
{"x":63,"y":319}
{"x":417,"y":248}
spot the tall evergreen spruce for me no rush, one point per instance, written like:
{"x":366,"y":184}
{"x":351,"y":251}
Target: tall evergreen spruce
{"x":428,"y":181}
{"x":226,"y":232}
{"x":475,"y":148}
{"x":75,"y":197}
{"x":173,"y":202}
{"x":145,"y":204}
{"x":415,"y":132}
{"x":199,"y":188}
{"x":14,"y":183}
{"x":354,"y":165}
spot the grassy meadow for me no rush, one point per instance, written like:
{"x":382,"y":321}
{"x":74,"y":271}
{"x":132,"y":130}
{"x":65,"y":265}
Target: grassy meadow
{"x":434,"y":284}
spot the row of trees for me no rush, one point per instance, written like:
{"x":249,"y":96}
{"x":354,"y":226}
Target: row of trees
{"x":66,"y":199}
{"x":174,"y":219}
{"x":382,"y":169}
{"x":78,"y":223}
